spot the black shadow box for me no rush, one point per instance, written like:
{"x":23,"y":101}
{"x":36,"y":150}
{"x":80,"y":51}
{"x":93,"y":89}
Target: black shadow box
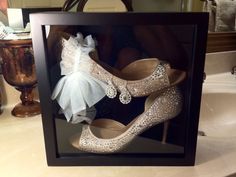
{"x":122,"y":38}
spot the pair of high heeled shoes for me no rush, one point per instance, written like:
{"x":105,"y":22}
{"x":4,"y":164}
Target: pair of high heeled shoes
{"x":146,"y":77}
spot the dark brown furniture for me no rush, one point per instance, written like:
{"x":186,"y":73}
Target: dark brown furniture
{"x":221,"y":41}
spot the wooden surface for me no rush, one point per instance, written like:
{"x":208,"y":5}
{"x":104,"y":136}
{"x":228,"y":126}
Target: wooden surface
{"x":221,"y":41}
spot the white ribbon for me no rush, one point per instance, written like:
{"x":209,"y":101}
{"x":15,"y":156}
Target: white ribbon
{"x":78,"y":91}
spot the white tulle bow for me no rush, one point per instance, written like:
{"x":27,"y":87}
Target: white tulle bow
{"x":78,"y":91}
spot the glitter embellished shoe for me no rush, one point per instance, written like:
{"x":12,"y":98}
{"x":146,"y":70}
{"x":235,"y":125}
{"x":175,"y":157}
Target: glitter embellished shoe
{"x":109,"y":136}
{"x":138,"y":79}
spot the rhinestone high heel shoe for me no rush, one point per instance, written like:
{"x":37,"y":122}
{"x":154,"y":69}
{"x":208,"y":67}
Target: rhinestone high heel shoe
{"x":138,"y":79}
{"x":159,"y":107}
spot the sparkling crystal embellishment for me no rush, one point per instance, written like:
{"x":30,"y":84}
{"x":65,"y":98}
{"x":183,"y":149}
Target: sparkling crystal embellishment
{"x":159,"y":73}
{"x":111,"y":90}
{"x":125,"y":97}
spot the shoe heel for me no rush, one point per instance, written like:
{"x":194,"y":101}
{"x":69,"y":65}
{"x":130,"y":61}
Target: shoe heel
{"x":165,"y":131}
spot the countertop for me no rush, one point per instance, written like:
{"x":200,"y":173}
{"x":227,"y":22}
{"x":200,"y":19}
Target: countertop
{"x":23,"y":155}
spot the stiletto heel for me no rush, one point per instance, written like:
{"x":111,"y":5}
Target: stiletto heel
{"x":165,"y":131}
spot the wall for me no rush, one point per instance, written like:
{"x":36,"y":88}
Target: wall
{"x":139,"y":5}
{"x":157,"y":5}
{"x":197,"y":6}
{"x":35,"y":3}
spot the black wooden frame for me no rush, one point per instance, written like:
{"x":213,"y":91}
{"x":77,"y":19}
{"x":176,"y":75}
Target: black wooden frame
{"x":199,"y":20}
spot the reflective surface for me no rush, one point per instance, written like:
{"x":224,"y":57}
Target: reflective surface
{"x":119,"y":50}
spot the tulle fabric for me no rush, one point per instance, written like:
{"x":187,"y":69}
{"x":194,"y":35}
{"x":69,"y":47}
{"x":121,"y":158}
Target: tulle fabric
{"x":78,"y":91}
